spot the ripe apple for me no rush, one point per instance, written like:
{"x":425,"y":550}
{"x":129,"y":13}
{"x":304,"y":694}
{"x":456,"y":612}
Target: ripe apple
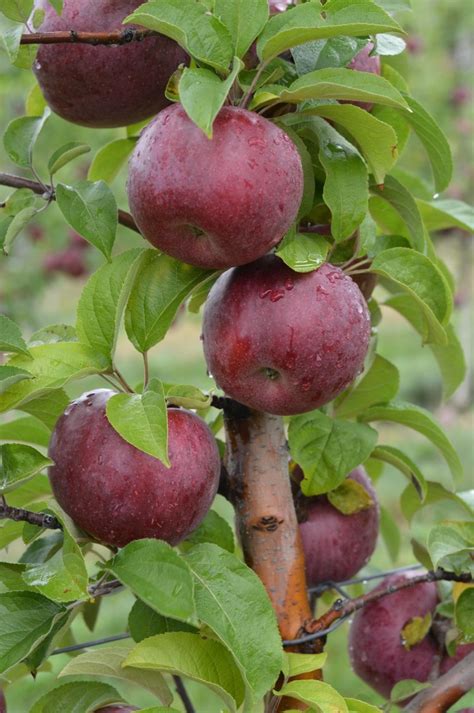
{"x":220,"y":202}
{"x":70,"y":261}
{"x":285,"y":342}
{"x":337,"y":546}
{"x":103,"y":86}
{"x":375,"y":644}
{"x":117,"y":493}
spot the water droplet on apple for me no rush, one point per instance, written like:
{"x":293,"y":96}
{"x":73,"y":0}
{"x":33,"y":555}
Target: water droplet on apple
{"x":264,"y":293}
{"x":276,"y":295}
{"x":257,"y":143}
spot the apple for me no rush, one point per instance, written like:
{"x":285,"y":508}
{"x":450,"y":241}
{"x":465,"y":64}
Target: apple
{"x":279,"y":5}
{"x":103,"y":86}
{"x":337,"y":546}
{"x":214,"y":203}
{"x":69,"y":261}
{"x":117,"y":493}
{"x":285,"y":342}
{"x":3,"y":703}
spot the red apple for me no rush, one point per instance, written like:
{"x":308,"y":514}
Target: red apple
{"x":285,"y":342}
{"x":103,"y":86}
{"x":337,"y":546}
{"x":69,"y":261}
{"x":375,"y":644}
{"x":117,"y":493}
{"x":3,"y":703}
{"x":214,"y":203}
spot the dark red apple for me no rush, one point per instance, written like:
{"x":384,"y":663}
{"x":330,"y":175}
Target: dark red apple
{"x":77,"y":241}
{"x":449,"y":661}
{"x":103,"y":86}
{"x":375,"y":643}
{"x":364,"y":62}
{"x":70,"y":261}
{"x":285,"y":342}
{"x":3,"y":703}
{"x":337,"y":546}
{"x":220,"y":202}
{"x":117,"y":493}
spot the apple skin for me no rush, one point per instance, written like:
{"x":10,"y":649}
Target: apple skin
{"x":449,"y":661}
{"x":337,"y":546}
{"x":214,"y":203}
{"x":312,"y":329}
{"x":375,"y":647}
{"x":117,"y":493}
{"x":103,"y":86}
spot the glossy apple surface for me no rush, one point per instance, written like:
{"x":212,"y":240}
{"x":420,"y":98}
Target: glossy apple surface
{"x":214,"y":203}
{"x":117,"y":493}
{"x":103,"y":86}
{"x":337,"y":546}
{"x":285,"y":342}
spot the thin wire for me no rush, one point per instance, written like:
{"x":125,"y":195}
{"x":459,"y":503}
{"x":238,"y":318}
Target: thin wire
{"x":316,"y":635}
{"x":90,"y":644}
{"x":361,"y":580}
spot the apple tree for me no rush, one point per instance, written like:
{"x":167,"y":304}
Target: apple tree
{"x":262,"y":142}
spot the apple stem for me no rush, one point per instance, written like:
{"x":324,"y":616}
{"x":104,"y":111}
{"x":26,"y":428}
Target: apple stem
{"x":183,"y":694}
{"x":40,"y":189}
{"x":120,"y":378}
{"x":146,"y":370}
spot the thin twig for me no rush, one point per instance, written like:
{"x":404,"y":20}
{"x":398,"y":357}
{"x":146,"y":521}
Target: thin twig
{"x":121,"y":379}
{"x":90,"y":644}
{"x":118,"y":37}
{"x":246,"y":98}
{"x":6,"y":179}
{"x":146,"y":370}
{"x":447,"y":690}
{"x":183,"y":694}
{"x":48,"y":522}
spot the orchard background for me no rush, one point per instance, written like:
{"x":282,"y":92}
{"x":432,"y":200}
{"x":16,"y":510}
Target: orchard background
{"x":35,"y":292}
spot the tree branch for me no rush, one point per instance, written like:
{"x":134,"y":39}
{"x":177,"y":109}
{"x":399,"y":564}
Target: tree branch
{"x":48,"y":522}
{"x":447,"y":690}
{"x":118,"y":37}
{"x":183,"y":694}
{"x":6,"y":179}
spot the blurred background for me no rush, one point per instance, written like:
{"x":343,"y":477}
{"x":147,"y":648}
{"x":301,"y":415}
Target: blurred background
{"x":41,"y":281}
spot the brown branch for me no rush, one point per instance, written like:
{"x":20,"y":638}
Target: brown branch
{"x":118,"y":37}
{"x":258,"y":484}
{"x":447,"y":690}
{"x":7,"y":179}
{"x":48,"y":522}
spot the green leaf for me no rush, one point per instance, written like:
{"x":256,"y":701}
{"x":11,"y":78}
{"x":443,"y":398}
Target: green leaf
{"x":25,"y":430}
{"x":48,"y":407}
{"x":449,"y":213}
{"x":144,"y":622}
{"x":142,"y":420}
{"x":464,"y":615}
{"x":305,"y":23}
{"x":25,"y":620}
{"x":298,"y":664}
{"x":244,"y":19}
{"x":161,"y":285}
{"x":58,"y":5}
{"x":415,"y":631}
{"x":90,"y":209}
{"x":405,"y":205}
{"x":307,"y":200}
{"x":340,"y":83}
{"x":451,"y":546}
{"x":203,"y":660}
{"x":449,"y":356}
{"x":319,"y":54}
{"x":158,"y":575}
{"x":355,"y":706}
{"x":410,"y":500}
{"x":387,"y":45}
{"x":327,"y":450}
{"x":190,"y":24}
{"x":107,"y":662}
{"x":225,"y":591}
{"x":20,"y":220}
{"x":20,"y":137}
{"x":212,"y":529}
{"x":110,"y":158}
{"x":53,"y":334}
{"x":398,"y":459}
{"x":203,"y":94}
{"x":19,"y":464}
{"x":404,"y":689}
{"x":22,"y":198}
{"x":77,"y":697}
{"x":11,"y":577}
{"x":390,"y":532}
{"x":53,"y":366}
{"x":103,"y":301}
{"x":350,"y":497}
{"x":35,"y":103}
{"x":419,"y":419}
{"x":16,"y":10}
{"x":378,"y":385}
{"x":186,"y":396}
{"x":419,"y":277}
{"x":10,"y":337}
{"x":10,"y":39}
{"x":434,"y":141}
{"x":324,"y":697}
{"x":65,"y":154}
{"x":303,"y":252}
{"x":10,"y":375}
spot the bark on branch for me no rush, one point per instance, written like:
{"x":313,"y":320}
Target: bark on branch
{"x":6,"y":179}
{"x":446,"y":691}
{"x":48,"y":522}
{"x":118,"y":37}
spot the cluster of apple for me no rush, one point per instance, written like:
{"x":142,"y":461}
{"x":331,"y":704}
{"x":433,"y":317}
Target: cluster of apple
{"x":71,"y":260}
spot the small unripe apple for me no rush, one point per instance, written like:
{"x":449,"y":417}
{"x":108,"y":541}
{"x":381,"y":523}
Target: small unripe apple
{"x":117,"y":493}
{"x":103,"y":86}
{"x":337,"y":546}
{"x":281,"y":341}
{"x":376,"y":648}
{"x":214,"y":202}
